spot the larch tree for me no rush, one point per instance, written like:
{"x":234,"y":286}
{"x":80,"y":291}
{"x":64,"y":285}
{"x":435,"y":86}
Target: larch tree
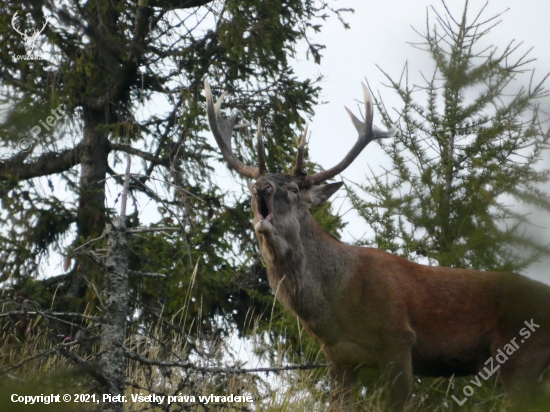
{"x":470,"y":147}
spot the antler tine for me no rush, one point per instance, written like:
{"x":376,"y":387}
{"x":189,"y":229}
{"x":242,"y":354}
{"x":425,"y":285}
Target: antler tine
{"x":367,"y":133}
{"x":222,"y":130}
{"x":298,"y":166}
{"x":261,"y":152}
{"x":44,"y":26}
{"x":15,"y":24}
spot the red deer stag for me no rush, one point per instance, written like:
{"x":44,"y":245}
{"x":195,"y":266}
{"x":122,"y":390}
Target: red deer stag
{"x":368,"y":308}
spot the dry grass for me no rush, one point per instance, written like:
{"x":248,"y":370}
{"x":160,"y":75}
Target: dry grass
{"x":286,"y":391}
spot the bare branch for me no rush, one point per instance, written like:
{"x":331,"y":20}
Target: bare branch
{"x":179,"y":4}
{"x":48,"y":314}
{"x":38,"y":355}
{"x":145,"y":274}
{"x":191,"y":366}
{"x":46,"y":164}
{"x":165,"y":161}
{"x":152,"y":229}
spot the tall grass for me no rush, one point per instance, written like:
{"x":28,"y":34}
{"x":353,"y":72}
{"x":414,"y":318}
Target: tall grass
{"x":32,"y":341}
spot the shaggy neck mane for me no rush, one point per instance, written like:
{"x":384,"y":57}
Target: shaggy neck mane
{"x":304,"y":267}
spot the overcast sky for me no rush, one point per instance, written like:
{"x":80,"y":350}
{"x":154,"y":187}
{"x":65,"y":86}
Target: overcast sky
{"x":379,"y":35}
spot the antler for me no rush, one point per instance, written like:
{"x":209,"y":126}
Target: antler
{"x":261,"y":152}
{"x":15,"y":25}
{"x":298,"y":167}
{"x":367,"y":133}
{"x":42,"y":29}
{"x":222,"y":130}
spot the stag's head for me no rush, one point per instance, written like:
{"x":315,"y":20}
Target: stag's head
{"x":281,"y":201}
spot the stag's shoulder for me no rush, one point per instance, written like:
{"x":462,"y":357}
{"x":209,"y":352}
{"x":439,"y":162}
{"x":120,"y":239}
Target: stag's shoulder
{"x":380,"y":258}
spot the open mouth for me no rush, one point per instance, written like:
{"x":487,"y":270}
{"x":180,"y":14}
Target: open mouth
{"x":263,"y":210}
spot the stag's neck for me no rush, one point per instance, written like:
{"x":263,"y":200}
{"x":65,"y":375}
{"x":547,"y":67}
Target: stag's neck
{"x":308,"y":268}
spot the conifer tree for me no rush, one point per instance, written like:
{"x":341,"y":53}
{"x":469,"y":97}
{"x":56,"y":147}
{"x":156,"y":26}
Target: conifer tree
{"x":128,"y":78}
{"x":470,"y":147}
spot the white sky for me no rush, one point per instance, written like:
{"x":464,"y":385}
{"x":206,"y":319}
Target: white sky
{"x":378,"y":36}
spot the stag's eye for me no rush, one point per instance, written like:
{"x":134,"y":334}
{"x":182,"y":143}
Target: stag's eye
{"x":294,"y":190}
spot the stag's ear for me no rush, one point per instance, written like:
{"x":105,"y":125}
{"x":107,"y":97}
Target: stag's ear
{"x":250,"y":185}
{"x":320,"y":194}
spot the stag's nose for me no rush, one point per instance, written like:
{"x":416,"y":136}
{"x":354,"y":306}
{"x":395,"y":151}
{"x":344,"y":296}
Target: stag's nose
{"x":262,"y":189}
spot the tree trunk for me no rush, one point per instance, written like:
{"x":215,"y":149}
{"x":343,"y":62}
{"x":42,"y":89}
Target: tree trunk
{"x":91,"y":216}
{"x":115,"y":306}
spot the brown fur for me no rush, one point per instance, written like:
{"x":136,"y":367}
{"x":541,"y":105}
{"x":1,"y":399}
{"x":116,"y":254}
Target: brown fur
{"x":366,"y":307}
